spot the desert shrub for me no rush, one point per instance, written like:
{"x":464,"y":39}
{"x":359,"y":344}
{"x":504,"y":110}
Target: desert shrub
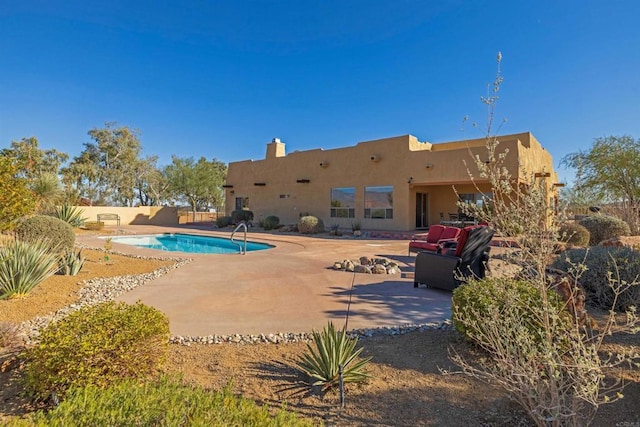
{"x":24,"y":265}
{"x":492,"y":298}
{"x":574,"y":234}
{"x":162,"y":402}
{"x":271,"y":222}
{"x":72,"y":215}
{"x":310,"y":225}
{"x":333,"y":349}
{"x":16,"y":199}
{"x":241,"y":215}
{"x":600,"y":277}
{"x":59,"y":234}
{"x":93,"y":225}
{"x":97,"y":345}
{"x":223,"y":221}
{"x":603,"y":227}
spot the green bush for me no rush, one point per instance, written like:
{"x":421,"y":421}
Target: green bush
{"x":24,"y":265}
{"x":162,"y":402}
{"x":271,"y":222}
{"x":333,"y":349}
{"x":60,"y":234}
{"x":223,"y":221}
{"x":602,"y":227}
{"x":97,"y":345}
{"x":503,"y":299}
{"x":93,"y":225}
{"x":310,"y":225}
{"x":603,"y":264}
{"x":72,"y":215}
{"x":574,"y":234}
{"x":239,"y":216}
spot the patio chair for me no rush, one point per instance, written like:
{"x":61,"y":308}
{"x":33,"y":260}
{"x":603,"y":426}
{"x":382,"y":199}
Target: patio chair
{"x":433,"y":240}
{"x":450,"y":267}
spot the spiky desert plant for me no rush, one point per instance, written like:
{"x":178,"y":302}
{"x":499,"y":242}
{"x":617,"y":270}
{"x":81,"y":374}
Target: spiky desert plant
{"x":72,"y":262}
{"x":24,"y":265}
{"x":333,"y":349}
{"x":70,"y":214}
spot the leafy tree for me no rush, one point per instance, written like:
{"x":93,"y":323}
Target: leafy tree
{"x":110,"y":170}
{"x":33,"y":160}
{"x":16,"y":199}
{"x":84,"y":177}
{"x":150,"y":184}
{"x":199,"y":183}
{"x":611,"y":169}
{"x":119,"y":150}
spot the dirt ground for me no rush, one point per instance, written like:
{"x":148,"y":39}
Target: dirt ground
{"x":407,"y":385}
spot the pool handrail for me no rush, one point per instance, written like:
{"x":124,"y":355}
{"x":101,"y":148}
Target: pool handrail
{"x":241,"y":225}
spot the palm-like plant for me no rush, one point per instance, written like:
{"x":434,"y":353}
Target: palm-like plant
{"x":69,"y":214}
{"x":333,"y":350}
{"x":24,"y":265}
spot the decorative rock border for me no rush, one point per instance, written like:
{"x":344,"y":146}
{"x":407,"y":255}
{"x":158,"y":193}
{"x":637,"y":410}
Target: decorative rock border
{"x":284,"y":337}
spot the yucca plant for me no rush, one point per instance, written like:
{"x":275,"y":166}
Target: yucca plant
{"x":72,"y":262}
{"x":24,"y":265}
{"x":333,"y":349}
{"x":70,"y":214}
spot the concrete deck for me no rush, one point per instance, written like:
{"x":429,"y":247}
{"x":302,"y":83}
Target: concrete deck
{"x":289,"y":288}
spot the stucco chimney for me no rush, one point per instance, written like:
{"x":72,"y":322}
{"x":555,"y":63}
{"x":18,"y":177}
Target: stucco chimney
{"x":275,"y":149}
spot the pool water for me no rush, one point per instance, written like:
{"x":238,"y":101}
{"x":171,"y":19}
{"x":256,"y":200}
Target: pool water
{"x":189,"y":243}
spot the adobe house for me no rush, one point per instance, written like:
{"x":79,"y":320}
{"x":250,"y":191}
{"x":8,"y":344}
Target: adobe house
{"x":395,"y":184}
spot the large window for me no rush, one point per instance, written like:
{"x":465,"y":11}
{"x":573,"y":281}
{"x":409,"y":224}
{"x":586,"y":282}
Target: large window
{"x":343,"y":202}
{"x":378,"y":202}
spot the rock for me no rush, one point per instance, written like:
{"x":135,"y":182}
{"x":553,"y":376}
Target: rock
{"x":361,"y":269}
{"x":379,"y":269}
{"x":337,"y":266}
{"x":365,"y":260}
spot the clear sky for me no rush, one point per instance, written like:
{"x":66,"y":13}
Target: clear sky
{"x":220,"y":79}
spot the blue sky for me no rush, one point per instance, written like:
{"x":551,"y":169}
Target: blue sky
{"x":220,"y":79}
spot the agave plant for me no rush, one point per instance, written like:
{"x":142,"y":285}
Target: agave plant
{"x":70,"y":214}
{"x":72,"y":262}
{"x":24,"y":265}
{"x":333,"y":349}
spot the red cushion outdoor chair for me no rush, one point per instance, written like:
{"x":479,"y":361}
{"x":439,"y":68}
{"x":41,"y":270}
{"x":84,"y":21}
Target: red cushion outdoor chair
{"x":433,"y":240}
{"x":468,"y":257}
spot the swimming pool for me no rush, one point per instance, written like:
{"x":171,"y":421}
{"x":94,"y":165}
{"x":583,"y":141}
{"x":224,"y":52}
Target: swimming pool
{"x":177,"y":242}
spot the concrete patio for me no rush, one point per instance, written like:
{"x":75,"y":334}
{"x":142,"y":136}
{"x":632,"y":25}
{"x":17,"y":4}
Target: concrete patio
{"x":289,"y":288}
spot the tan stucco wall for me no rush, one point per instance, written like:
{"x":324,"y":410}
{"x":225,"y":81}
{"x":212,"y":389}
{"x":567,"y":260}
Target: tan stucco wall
{"x":143,"y":215}
{"x":405,"y":163}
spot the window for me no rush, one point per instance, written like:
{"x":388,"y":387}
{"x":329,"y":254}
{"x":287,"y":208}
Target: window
{"x":242,"y":203}
{"x":378,"y":202}
{"x":343,"y":202}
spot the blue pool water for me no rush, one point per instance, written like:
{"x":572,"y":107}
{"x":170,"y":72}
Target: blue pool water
{"x":189,"y":243}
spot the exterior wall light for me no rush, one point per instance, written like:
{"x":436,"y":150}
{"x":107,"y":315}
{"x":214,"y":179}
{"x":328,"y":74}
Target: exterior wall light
{"x":324,"y":164}
{"x":375,"y":158}
{"x":429,"y":165}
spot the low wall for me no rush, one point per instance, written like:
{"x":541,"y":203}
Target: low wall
{"x":142,"y":215}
